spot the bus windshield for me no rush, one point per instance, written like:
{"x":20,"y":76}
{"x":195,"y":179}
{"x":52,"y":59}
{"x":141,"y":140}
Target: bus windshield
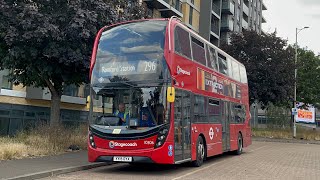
{"x":137,"y":107}
{"x":131,"y":52}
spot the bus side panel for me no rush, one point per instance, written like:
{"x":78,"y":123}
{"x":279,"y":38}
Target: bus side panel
{"x":164,"y":154}
{"x":234,"y":131}
{"x":213,"y":138}
{"x":194,"y":136}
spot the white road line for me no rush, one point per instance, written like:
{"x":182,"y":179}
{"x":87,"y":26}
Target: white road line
{"x":190,"y":173}
{"x":197,"y":170}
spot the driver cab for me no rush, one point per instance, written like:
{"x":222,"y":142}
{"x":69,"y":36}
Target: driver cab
{"x":142,"y":107}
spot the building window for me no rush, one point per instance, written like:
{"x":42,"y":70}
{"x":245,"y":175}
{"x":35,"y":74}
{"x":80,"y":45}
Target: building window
{"x":6,"y":84}
{"x":239,"y":14}
{"x":71,"y":90}
{"x":192,"y":1}
{"x":190,"y":15}
{"x":232,"y":7}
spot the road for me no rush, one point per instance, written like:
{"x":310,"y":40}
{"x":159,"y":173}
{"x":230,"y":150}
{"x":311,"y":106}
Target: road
{"x":262,"y":160}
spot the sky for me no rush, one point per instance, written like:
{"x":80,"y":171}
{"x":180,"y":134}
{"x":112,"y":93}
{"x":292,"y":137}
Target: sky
{"x":287,"y":15}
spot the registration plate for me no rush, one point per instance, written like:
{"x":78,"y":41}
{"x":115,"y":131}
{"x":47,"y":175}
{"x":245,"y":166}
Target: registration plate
{"x":122,"y":159}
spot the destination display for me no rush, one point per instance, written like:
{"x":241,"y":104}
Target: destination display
{"x":119,"y":68}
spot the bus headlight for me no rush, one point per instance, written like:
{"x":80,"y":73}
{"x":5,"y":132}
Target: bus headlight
{"x":91,"y":140}
{"x":162,"y":136}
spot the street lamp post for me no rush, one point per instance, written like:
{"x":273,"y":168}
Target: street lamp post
{"x":295,"y":79}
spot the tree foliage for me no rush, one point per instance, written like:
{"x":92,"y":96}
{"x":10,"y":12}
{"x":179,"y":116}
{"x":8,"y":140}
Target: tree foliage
{"x":269,"y":64}
{"x":308,"y":86}
{"x":49,"y":43}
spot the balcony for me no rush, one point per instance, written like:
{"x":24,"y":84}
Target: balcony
{"x":245,"y":9}
{"x":216,"y":9}
{"x":263,"y":19}
{"x":228,"y":7}
{"x":264,"y":7}
{"x":167,"y":8}
{"x":227,"y":25}
{"x":245,"y":24}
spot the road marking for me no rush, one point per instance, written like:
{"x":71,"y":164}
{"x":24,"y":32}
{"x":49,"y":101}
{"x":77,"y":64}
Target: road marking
{"x":190,"y":173}
{"x":197,"y":170}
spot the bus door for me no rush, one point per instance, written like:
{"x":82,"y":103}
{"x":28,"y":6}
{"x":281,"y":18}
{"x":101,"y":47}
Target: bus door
{"x":226,"y":116}
{"x":182,"y":126}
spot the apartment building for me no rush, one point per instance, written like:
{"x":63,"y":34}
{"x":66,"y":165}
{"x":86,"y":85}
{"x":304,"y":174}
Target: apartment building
{"x":24,"y":107}
{"x":214,"y":20}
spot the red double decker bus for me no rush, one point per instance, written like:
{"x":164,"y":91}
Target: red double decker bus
{"x":160,"y":93}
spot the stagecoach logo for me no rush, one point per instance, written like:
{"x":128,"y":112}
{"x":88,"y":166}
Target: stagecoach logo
{"x":113,"y":144}
{"x":182,"y":71}
{"x":211,"y":133}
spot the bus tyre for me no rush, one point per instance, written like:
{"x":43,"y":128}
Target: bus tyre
{"x":240,"y":145}
{"x":200,"y":153}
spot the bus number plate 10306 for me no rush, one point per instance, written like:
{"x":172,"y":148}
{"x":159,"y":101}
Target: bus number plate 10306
{"x":122,"y":159}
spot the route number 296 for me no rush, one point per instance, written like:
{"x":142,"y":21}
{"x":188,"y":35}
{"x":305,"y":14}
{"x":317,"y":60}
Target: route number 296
{"x":150,"y":66}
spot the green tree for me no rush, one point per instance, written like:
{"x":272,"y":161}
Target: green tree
{"x":269,"y":63}
{"x":308,"y":86}
{"x":49,"y":43}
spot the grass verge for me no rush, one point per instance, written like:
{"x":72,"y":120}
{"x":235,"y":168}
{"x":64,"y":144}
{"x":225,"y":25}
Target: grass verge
{"x":302,"y":133}
{"x":42,"y":141}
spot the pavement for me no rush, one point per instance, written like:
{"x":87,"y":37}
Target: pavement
{"x":36,"y":168}
{"x":48,"y":166}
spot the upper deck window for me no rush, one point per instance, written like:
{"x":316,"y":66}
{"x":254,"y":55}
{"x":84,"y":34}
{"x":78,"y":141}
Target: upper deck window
{"x":182,"y":42}
{"x":243,"y":74}
{"x":235,"y":70}
{"x":198,"y":51}
{"x":222,"y":60}
{"x":212,"y":58}
{"x":137,"y":37}
{"x":131,"y":52}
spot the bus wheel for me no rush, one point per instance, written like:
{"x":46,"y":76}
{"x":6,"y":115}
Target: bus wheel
{"x":240,"y":145}
{"x":200,"y":153}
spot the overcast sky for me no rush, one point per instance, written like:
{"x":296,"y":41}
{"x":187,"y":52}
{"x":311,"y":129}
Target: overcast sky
{"x":287,"y":15}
